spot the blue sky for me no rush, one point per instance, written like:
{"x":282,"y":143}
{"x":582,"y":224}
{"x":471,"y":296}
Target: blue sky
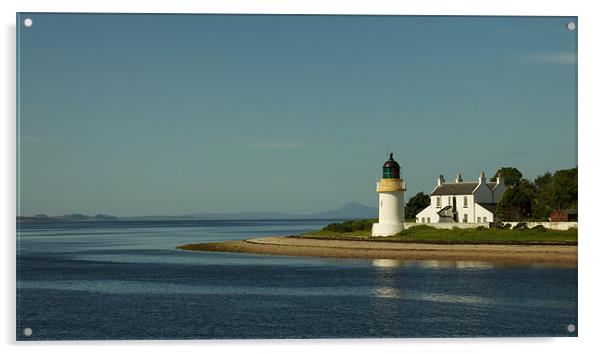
{"x":172,"y":114}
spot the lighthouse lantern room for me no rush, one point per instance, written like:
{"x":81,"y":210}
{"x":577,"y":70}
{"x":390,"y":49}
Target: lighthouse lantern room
{"x":390,"y":200}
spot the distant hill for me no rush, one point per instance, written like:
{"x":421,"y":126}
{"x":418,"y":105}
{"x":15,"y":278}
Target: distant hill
{"x":347,"y":211}
{"x":240,"y":216}
{"x":66,"y":218}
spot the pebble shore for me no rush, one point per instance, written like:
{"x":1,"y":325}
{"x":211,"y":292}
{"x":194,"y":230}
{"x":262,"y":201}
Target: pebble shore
{"x":558,"y":255}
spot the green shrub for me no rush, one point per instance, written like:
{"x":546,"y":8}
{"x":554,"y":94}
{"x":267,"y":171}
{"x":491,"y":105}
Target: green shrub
{"x":336,"y":228}
{"x":507,"y":226}
{"x":498,"y":225}
{"x":351,"y":226}
{"x":481,"y":228}
{"x":521,"y":226}
{"x":539,"y":228}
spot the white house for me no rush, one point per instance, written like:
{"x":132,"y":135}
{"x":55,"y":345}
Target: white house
{"x":463,"y":202}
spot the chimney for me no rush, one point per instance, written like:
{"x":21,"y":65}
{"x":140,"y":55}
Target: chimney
{"x":482,"y":178}
{"x":500,"y":179}
{"x":440,"y":180}
{"x":459,"y":178}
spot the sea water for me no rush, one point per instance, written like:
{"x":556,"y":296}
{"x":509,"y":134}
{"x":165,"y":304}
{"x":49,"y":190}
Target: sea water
{"x":126,"y":280}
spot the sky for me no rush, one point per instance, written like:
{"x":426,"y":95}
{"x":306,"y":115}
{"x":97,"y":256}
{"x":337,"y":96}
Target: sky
{"x":174,"y":114}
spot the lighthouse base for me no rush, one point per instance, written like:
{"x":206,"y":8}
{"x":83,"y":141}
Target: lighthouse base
{"x":380,"y":229}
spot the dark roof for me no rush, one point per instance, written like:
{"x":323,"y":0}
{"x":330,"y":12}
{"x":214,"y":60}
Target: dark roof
{"x":489,"y":206}
{"x":455,"y":188}
{"x":445,"y":211}
{"x":391,"y":162}
{"x":491,"y":185}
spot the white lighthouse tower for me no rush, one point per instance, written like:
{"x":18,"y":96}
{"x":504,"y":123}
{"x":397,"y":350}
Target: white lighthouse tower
{"x":391,"y":206}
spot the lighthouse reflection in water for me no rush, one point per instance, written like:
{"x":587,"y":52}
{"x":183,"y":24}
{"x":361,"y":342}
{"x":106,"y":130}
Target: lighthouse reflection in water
{"x":388,"y":289}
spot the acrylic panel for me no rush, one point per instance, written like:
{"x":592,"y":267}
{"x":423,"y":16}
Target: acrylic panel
{"x":197,"y":176}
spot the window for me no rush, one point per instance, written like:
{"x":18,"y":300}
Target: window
{"x":428,"y":220}
{"x":387,"y":172}
{"x":465,"y":219}
{"x":381,"y":203}
{"x":466,"y":201}
{"x":423,"y":220}
{"x":449,"y":201}
{"x":484,"y":219}
{"x":479,"y":219}
{"x":438,"y":202}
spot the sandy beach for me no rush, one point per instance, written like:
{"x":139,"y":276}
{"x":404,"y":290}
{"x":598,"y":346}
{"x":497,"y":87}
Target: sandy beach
{"x":561,"y":255}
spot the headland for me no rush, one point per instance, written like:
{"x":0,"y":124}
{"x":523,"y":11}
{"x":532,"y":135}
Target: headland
{"x":461,"y":245}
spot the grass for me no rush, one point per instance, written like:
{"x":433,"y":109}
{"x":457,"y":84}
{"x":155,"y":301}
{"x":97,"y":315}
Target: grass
{"x":351,"y":226}
{"x":428,"y":234}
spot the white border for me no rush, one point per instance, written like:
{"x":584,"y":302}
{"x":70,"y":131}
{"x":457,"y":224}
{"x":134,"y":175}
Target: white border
{"x":589,"y":145}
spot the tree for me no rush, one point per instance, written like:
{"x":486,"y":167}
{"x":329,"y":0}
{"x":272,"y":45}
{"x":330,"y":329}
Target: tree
{"x":541,"y":211}
{"x":515,"y":204}
{"x":528,"y":187}
{"x":416,"y":204}
{"x":512,"y":176}
{"x":543,"y":181}
{"x":562,"y":192}
{"x":537,"y":199}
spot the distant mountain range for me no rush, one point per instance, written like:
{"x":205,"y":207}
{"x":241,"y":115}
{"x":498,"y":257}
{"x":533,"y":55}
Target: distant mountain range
{"x":347,"y":211}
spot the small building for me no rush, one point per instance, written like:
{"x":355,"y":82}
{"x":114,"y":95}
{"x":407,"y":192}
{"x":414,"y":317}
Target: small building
{"x":463,"y":202}
{"x":565,"y":215}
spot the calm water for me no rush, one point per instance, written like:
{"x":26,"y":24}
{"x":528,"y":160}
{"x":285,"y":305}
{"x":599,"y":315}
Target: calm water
{"x":126,"y":281}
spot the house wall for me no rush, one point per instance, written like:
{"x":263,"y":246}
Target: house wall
{"x":432,"y":210}
{"x":481,"y":213}
{"x":473,"y":211}
{"x":428,"y":212}
{"x":482,"y":194}
{"x":497,"y":192}
{"x":468,"y":210}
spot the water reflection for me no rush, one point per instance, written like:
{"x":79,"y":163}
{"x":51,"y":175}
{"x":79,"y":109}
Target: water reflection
{"x":394,"y":263}
{"x":116,"y":275}
{"x":454,"y":299}
{"x":386,"y":263}
{"x":387,"y":292}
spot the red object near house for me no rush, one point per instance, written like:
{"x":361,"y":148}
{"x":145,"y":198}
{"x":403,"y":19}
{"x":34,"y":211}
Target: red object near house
{"x":565,"y":215}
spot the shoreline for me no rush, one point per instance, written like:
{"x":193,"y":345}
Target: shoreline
{"x":507,"y":254}
{"x":440,"y":242}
